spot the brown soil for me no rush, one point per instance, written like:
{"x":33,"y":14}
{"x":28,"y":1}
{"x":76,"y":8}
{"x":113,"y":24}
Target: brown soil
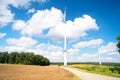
{"x":29,"y":72}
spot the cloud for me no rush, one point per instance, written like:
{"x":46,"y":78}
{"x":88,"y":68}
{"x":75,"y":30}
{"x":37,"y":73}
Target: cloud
{"x":72,"y":51}
{"x":31,"y":11}
{"x":49,"y":23}
{"x":90,"y":43}
{"x":24,"y":42}
{"x":109,"y":58}
{"x":56,"y":56}
{"x":6,"y":15}
{"x":2,"y":35}
{"x":53,"y":52}
{"x":48,"y":47}
{"x":73,"y":29}
{"x":18,"y":3}
{"x":88,"y":58}
{"x":41,"y":1}
{"x":109,"y":49}
{"x":18,"y":25}
{"x":76,"y":48}
{"x":12,"y":48}
{"x":41,"y":48}
{"x":40,"y":21}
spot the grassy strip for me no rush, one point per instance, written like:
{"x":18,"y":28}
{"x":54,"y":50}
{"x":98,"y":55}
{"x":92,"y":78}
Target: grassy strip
{"x":89,"y":63}
{"x":75,"y":78}
{"x":104,"y":70}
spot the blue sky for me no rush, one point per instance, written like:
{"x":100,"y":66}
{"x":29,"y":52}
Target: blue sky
{"x":38,"y":26}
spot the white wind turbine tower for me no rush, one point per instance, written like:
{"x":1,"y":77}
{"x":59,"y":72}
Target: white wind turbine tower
{"x":99,"y":57}
{"x":65,"y":51}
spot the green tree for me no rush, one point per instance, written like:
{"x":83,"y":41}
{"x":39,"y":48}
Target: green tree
{"x":45,"y":62}
{"x":12,"y":57}
{"x":4,"y":57}
{"x":22,"y":57}
{"x":17,"y":58}
{"x":29,"y":58}
{"x":37,"y":60}
{"x":118,"y":44}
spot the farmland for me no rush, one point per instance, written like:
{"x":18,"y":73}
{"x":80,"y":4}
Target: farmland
{"x":30,"y":72}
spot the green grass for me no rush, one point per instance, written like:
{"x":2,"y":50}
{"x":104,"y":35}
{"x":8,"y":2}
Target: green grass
{"x":104,"y":70}
{"x":75,"y":78}
{"x":92,"y":63}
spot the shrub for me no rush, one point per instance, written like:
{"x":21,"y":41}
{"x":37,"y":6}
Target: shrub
{"x":115,"y":69}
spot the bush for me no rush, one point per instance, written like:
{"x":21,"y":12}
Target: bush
{"x":115,"y":69}
{"x":45,"y":62}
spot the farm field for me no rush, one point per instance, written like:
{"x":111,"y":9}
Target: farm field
{"x":30,"y":72}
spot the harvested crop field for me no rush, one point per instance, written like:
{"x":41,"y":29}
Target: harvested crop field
{"x":29,"y":72}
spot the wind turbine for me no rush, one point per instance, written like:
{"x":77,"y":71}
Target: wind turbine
{"x":99,"y":57}
{"x":65,"y":51}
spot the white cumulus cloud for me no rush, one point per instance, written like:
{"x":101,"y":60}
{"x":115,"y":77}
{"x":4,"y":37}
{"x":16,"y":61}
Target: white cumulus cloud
{"x":73,"y":51}
{"x":73,"y":29}
{"x":31,"y":11}
{"x":90,"y":43}
{"x":18,"y":25}
{"x":40,"y":21}
{"x":110,"y":49}
{"x":56,"y":56}
{"x":41,"y":1}
{"x":53,"y":52}
{"x":48,"y":47}
{"x":49,"y":23}
{"x":13,"y":48}
{"x":24,"y":42}
{"x":88,"y":58}
{"x":2,"y":35}
{"x":6,"y":15}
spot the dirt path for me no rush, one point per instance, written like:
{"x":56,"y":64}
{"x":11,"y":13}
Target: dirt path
{"x":89,"y":76}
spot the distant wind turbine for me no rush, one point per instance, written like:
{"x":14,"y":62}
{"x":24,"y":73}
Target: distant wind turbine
{"x":99,"y":55}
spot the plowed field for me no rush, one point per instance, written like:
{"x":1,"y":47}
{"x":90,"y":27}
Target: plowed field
{"x":29,"y":72}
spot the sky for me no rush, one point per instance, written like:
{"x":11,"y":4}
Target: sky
{"x":39,"y":26}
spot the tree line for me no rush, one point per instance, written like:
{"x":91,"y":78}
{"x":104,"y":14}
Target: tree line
{"x":27,"y":58}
